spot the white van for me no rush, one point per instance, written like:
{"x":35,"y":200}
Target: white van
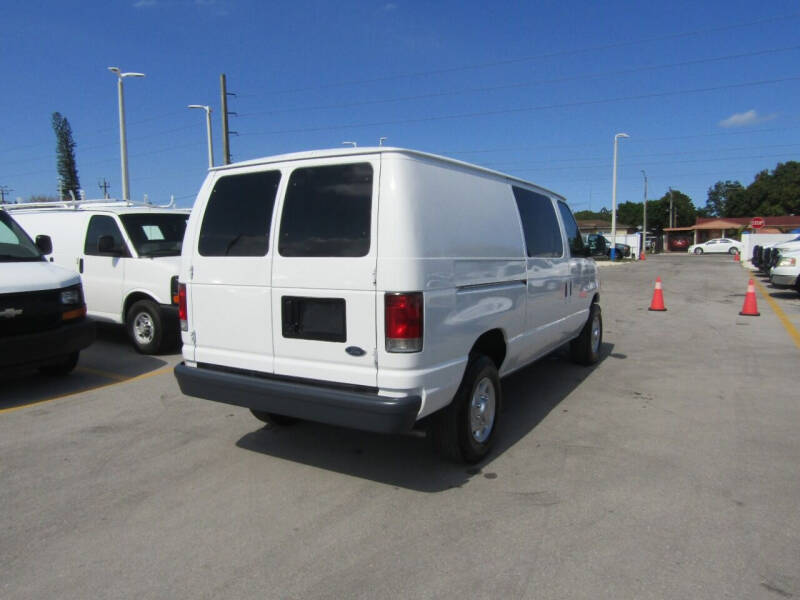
{"x":376,"y":287}
{"x":42,"y":313}
{"x":128,"y":257}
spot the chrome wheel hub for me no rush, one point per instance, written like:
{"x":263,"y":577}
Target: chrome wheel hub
{"x":143,"y":328}
{"x":596,"y":334}
{"x":482,"y":410}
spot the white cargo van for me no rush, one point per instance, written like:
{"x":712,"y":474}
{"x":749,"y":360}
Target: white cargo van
{"x":128,"y":256}
{"x":376,"y":287}
{"x":42,"y":313}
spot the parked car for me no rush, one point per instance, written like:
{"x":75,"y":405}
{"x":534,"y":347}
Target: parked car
{"x":42,"y":313}
{"x":786,"y":273}
{"x":600,"y":245}
{"x":128,"y":257}
{"x":717,"y":246}
{"x":679,"y":243}
{"x":379,"y":319}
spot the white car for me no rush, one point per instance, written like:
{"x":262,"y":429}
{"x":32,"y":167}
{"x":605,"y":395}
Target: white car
{"x":717,"y":245}
{"x":786,"y":273}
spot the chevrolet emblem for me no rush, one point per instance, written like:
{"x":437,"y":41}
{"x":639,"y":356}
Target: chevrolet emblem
{"x":10,"y":313}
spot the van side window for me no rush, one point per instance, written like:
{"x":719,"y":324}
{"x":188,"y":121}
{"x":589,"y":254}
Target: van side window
{"x":239,"y":214}
{"x":542,"y":233}
{"x":100,"y":225}
{"x":574,"y":238}
{"x":327,"y":211}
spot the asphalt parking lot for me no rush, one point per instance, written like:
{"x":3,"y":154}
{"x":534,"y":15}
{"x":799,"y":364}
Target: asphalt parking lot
{"x":669,"y":470}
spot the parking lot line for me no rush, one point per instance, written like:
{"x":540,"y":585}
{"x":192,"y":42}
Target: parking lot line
{"x":160,"y":371}
{"x":787,"y":324}
{"x":104,"y":374}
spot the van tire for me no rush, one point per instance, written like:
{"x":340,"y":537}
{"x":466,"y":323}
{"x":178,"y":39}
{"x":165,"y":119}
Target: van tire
{"x":273,"y":419}
{"x":63,"y":367}
{"x":585,"y":349}
{"x":452,"y":427}
{"x":145,"y":326}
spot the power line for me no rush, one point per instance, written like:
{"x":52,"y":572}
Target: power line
{"x":547,"y":55}
{"x":587,"y":76}
{"x":506,"y":111}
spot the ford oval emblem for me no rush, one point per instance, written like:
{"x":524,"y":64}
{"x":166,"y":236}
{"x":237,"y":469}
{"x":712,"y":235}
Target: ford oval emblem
{"x":355,"y":351}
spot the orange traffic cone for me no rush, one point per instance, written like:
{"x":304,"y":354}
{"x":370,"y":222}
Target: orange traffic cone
{"x":641,"y":257}
{"x":658,"y":297}
{"x":736,"y":257}
{"x":750,"y":308}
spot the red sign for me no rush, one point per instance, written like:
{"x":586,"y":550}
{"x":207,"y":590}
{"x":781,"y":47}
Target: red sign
{"x":757,"y":223}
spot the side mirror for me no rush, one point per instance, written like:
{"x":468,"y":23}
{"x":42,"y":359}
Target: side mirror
{"x":44,"y":244}
{"x":106,"y":245}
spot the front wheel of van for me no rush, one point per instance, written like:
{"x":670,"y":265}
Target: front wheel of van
{"x":273,"y":419}
{"x":464,"y":431}
{"x":145,"y":326}
{"x":585,"y":349}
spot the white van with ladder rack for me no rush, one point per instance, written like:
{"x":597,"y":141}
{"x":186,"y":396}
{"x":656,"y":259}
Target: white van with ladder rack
{"x":128,"y":256}
{"x":379,"y":289}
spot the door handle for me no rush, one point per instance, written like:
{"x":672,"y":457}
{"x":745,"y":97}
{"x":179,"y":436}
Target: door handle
{"x":80,"y":265}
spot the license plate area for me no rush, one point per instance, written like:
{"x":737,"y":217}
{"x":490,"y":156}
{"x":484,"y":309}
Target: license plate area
{"x":321,"y":319}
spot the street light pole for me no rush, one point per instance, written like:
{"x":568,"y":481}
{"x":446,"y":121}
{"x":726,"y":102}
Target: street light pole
{"x":644,"y":217}
{"x":123,"y":143}
{"x":208,"y":132}
{"x":613,"y":252}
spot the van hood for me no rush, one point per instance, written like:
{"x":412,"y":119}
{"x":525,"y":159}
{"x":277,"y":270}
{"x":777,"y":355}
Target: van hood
{"x":789,"y":246}
{"x":18,"y":277}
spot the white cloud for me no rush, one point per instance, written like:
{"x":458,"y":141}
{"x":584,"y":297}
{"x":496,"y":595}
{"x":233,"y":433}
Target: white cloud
{"x":144,"y":3}
{"x":745,"y":119}
{"x":389,"y":6}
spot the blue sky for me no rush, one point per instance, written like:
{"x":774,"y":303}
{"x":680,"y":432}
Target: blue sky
{"x":707,"y":91}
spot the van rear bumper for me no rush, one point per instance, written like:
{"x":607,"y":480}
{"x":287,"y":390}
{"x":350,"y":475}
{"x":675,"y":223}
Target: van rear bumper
{"x":358,"y":409}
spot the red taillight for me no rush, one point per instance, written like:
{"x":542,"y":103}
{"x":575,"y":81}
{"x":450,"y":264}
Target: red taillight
{"x":403,"y":317}
{"x":182,"y":312}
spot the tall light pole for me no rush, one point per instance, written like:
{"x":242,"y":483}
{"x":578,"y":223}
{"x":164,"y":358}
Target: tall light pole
{"x":208,"y":132}
{"x":614,"y":199}
{"x":123,"y":143}
{"x":644,"y":217}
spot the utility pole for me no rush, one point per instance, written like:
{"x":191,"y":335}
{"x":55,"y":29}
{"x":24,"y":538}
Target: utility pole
{"x":104,"y":185}
{"x":224,"y":93}
{"x":644,"y":214}
{"x":4,"y":189}
{"x":671,"y":218}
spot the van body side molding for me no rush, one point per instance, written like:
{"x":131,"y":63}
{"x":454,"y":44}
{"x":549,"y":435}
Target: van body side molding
{"x":357,"y":409}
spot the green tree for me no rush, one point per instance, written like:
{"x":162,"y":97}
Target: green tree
{"x":630,"y":213}
{"x":719,"y":198}
{"x":658,"y":211}
{"x":65,"y":155}
{"x":772,"y":193}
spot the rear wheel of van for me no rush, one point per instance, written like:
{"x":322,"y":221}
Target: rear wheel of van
{"x":272,"y":418}
{"x":145,"y":326}
{"x":464,"y":431}
{"x":63,"y":367}
{"x":585,"y":349}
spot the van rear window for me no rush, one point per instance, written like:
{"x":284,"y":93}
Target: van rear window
{"x":327,"y":211}
{"x":238,"y":215}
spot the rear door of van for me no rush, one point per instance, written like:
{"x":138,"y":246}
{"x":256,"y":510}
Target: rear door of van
{"x":323,"y":271}
{"x":229,"y":273}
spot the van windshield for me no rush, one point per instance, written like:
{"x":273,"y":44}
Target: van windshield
{"x":156,"y":234}
{"x":15,"y":245}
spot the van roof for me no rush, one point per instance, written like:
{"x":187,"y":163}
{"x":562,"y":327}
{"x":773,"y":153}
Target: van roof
{"x":118,"y":207}
{"x":334,"y":152}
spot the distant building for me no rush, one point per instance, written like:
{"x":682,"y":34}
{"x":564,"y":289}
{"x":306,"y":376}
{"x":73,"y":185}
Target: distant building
{"x":706,"y":228}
